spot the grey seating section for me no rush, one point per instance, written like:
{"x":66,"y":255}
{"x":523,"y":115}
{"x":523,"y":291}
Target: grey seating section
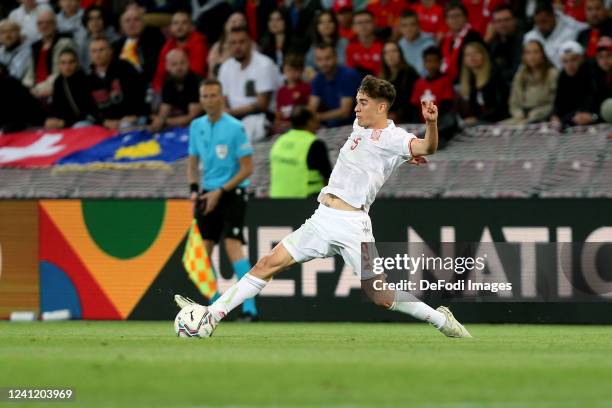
{"x":494,"y":161}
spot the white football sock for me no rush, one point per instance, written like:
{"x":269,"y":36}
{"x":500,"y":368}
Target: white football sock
{"x":407,"y":303}
{"x":245,"y":288}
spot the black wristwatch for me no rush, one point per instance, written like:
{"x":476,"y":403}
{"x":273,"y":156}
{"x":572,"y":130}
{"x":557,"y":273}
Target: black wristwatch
{"x":194,"y":188}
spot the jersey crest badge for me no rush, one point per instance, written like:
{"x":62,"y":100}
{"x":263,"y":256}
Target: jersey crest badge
{"x":221,"y":150}
{"x":375,"y":137}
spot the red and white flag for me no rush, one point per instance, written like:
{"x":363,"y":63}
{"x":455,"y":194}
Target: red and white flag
{"x":43,"y":148}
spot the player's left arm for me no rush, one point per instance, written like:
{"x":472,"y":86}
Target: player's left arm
{"x":428,"y":145}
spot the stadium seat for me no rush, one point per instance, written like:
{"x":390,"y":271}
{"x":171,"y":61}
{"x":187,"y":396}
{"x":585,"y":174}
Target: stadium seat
{"x":516,"y":178}
{"x":469,"y":178}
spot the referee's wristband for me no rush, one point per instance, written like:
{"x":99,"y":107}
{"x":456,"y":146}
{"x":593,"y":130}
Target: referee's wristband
{"x":194,"y":188}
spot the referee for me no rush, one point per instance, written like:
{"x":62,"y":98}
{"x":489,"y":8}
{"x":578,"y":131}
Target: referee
{"x":219,"y":142}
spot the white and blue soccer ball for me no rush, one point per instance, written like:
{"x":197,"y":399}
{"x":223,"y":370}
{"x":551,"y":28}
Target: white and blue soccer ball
{"x":194,"y":321}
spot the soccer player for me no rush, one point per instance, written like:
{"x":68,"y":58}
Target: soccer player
{"x":219,"y":141}
{"x":341,"y":223}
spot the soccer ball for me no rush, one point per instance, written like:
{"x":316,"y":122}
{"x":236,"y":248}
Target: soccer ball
{"x":193,"y":321}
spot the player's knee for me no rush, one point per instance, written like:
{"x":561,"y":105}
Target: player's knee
{"x":382,"y":302}
{"x":381,"y":298}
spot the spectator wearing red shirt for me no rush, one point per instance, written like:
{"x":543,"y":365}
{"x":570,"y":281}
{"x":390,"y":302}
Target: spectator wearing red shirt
{"x":435,"y":86}
{"x":480,"y":13}
{"x":343,"y":9}
{"x":431,"y":17}
{"x":438,"y":87}
{"x":183,"y":36}
{"x":459,"y":33}
{"x":387,"y":12}
{"x":293,"y":93}
{"x":600,"y":25}
{"x":365,"y":52}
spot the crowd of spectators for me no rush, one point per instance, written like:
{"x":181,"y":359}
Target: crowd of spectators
{"x":121,"y":64}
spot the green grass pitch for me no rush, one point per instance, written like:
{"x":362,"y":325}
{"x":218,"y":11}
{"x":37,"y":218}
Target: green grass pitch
{"x":142,"y":364}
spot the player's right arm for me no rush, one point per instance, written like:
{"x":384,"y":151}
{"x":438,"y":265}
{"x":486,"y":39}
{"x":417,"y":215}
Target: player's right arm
{"x":428,"y":145}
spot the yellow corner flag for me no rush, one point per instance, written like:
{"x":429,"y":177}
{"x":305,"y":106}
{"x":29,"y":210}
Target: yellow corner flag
{"x":197,"y":263}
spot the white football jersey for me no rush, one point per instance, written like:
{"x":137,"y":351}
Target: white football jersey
{"x":366,"y":161}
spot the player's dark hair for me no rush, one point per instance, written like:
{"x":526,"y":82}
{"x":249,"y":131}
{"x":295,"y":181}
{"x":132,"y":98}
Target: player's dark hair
{"x":433,"y":50}
{"x":409,"y":14}
{"x":378,"y":88}
{"x":455,"y":5}
{"x":212,"y":82}
{"x":294,"y":61}
{"x":300,"y":116}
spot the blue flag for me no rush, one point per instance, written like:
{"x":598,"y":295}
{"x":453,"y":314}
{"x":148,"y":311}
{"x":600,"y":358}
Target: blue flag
{"x":138,"y":147}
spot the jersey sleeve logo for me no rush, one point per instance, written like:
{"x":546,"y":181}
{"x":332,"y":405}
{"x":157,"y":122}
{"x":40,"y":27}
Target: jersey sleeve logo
{"x":355,"y":143}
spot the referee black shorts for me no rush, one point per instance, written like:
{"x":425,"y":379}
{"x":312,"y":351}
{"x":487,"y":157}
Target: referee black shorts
{"x":227,"y":219}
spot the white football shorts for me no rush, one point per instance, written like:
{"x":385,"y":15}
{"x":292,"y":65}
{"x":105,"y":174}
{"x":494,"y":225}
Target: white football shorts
{"x":330,"y":232}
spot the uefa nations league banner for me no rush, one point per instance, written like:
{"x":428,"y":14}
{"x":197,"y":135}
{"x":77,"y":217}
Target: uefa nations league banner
{"x":545,"y":260}
{"x":122,"y":259}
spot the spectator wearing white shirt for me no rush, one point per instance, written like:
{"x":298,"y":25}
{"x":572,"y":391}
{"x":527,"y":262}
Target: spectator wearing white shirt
{"x":25,"y":15}
{"x":69,"y":19}
{"x":249,"y":81}
{"x":15,"y":54}
{"x":553,"y":28}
